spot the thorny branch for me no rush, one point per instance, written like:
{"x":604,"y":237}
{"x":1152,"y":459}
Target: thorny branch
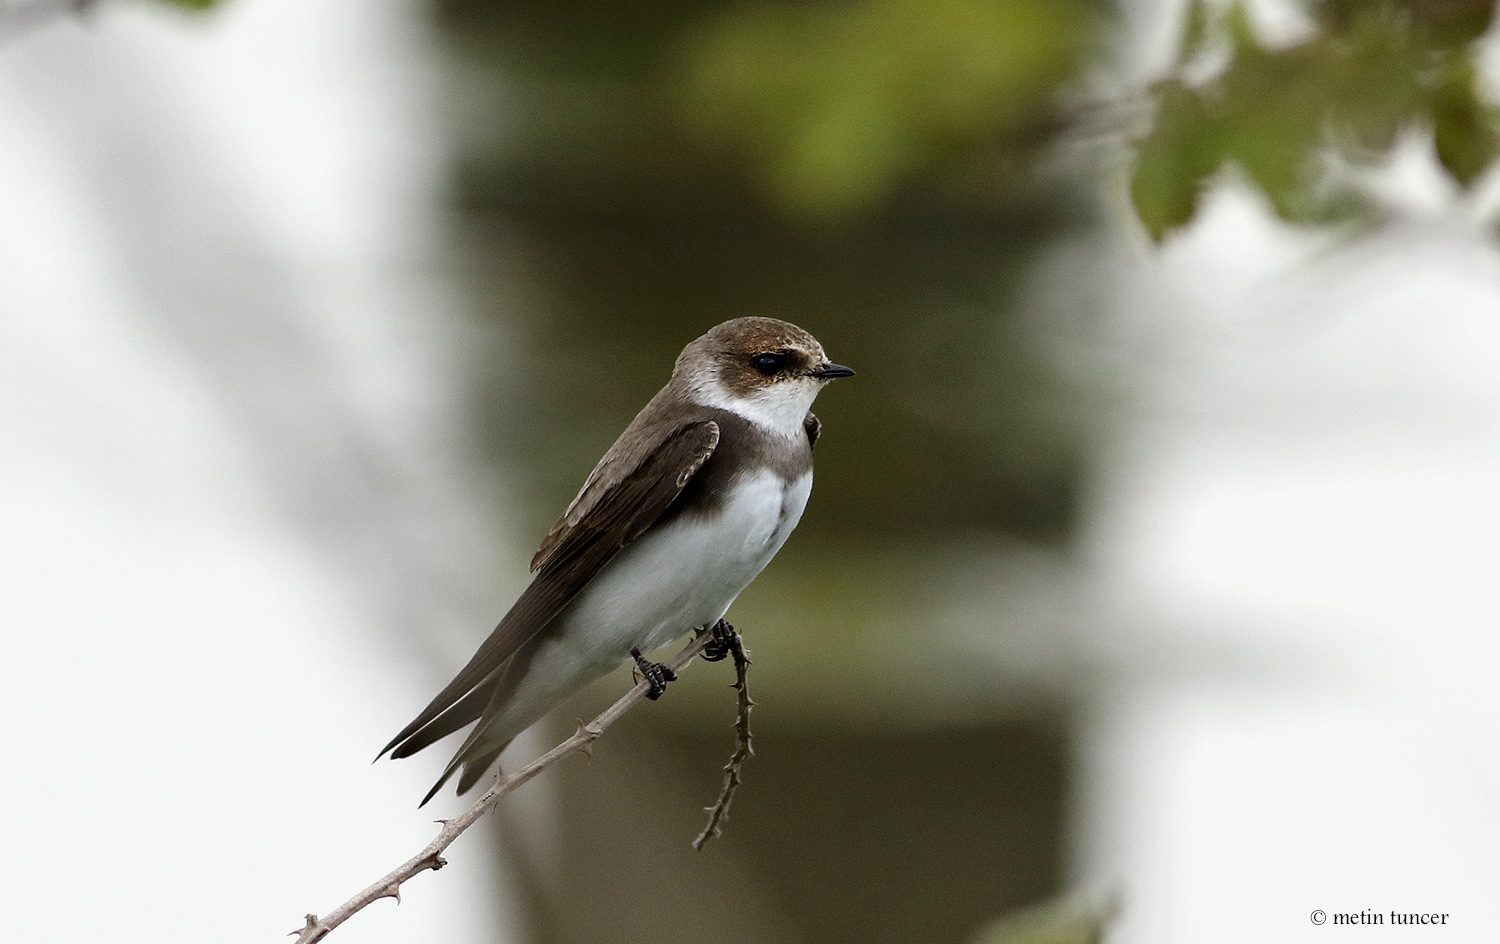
{"x":389,"y":885}
{"x":742,"y":749}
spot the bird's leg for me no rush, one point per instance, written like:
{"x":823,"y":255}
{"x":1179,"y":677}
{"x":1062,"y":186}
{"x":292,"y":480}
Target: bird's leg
{"x":725,"y":640}
{"x":657,"y":673}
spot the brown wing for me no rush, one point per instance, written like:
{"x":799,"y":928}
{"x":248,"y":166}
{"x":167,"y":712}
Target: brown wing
{"x":624,"y":495}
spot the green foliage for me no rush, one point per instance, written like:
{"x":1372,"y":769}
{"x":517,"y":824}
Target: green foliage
{"x":838,"y":104}
{"x":1372,"y":70}
{"x":192,"y":4}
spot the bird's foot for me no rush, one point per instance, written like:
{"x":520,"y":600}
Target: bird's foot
{"x":656,"y":673}
{"x":725,"y":641}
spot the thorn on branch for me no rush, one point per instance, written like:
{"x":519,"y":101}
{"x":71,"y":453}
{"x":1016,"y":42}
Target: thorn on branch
{"x":313,"y":930}
{"x":586,"y":745}
{"x":730,"y":641}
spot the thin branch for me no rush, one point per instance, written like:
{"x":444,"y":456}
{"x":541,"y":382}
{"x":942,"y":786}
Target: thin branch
{"x":742,"y":750}
{"x":389,"y":885}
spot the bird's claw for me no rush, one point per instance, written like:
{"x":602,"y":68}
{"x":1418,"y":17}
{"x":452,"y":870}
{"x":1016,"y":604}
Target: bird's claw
{"x":655,"y":673}
{"x":725,"y":641}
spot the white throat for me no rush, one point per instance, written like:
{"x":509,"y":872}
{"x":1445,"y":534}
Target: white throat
{"x":779,"y":408}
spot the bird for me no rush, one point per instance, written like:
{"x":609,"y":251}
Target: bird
{"x":685,"y":509}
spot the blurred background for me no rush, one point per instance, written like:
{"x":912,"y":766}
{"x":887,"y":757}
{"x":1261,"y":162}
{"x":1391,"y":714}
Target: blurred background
{"x":1146,"y":593}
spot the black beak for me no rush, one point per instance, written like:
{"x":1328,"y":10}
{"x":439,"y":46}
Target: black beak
{"x":830,"y":371}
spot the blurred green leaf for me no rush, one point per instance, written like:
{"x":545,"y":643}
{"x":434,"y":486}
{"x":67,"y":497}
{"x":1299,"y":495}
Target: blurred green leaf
{"x":192,"y":4}
{"x":1449,"y":23}
{"x":1463,"y":128}
{"x":1376,"y":70}
{"x":837,"y":105}
{"x":1174,"y":161}
{"x":1197,"y":29}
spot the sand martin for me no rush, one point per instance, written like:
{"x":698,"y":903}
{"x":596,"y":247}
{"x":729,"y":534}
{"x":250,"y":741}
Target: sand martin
{"x":684,"y":510}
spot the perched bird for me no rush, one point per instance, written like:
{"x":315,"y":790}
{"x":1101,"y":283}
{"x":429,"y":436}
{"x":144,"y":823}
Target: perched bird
{"x":684,"y":510}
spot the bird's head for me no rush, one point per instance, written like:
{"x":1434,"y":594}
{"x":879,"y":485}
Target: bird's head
{"x":766,"y":370}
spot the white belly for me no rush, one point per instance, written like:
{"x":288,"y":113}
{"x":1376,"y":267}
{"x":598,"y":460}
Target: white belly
{"x":672,"y":580}
{"x":686,"y":574}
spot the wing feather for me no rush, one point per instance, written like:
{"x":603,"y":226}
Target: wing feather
{"x":626,"y":493}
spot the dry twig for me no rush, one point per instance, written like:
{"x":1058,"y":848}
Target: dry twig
{"x":389,"y":885}
{"x":742,"y":750}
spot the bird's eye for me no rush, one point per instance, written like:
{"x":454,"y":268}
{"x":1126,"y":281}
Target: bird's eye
{"x":769,"y":364}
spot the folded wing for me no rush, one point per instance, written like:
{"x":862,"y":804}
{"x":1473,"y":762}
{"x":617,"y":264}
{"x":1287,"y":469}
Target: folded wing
{"x":626,"y":493}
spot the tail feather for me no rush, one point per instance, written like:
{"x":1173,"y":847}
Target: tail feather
{"x":477,"y":751}
{"x":463,"y":713}
{"x":485,"y":703}
{"x":437,"y":786}
{"x":475,"y":757}
{"x":475,"y":767}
